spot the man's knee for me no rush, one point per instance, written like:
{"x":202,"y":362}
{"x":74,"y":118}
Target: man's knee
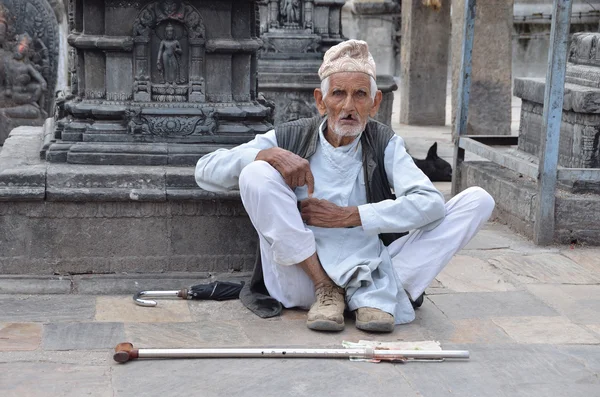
{"x":256,"y":175}
{"x":481,"y":199}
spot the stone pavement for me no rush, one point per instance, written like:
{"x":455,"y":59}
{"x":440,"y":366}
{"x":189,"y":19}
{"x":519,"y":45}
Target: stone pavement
{"x":529,"y":315}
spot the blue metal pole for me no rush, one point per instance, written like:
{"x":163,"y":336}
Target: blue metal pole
{"x":464,"y":90}
{"x":543,"y":231}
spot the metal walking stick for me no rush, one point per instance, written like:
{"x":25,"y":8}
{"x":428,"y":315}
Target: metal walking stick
{"x":125,"y":352}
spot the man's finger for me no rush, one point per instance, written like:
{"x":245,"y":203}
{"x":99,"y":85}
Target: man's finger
{"x":310,"y":182}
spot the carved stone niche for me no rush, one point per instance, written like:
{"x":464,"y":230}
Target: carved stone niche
{"x":169,"y":53}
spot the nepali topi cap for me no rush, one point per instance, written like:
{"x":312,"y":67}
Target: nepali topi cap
{"x":348,"y":56}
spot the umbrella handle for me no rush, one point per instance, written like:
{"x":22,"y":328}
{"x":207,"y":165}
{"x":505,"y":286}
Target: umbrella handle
{"x":137,"y":298}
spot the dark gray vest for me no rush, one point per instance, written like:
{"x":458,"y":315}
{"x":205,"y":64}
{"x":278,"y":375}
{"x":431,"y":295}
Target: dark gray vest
{"x":302,"y":136}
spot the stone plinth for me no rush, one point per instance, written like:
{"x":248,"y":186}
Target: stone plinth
{"x":158,"y":82}
{"x":424,"y":76}
{"x":491,"y":84}
{"x":378,"y":23}
{"x":577,"y":216}
{"x":580,"y":128}
{"x":63,"y":218}
{"x":296,"y":34}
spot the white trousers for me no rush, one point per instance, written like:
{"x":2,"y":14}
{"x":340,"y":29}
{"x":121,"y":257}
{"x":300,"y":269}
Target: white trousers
{"x":285,"y":240}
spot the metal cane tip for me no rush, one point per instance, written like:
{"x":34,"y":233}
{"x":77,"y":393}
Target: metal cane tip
{"x":124,"y":346}
{"x":121,"y":357}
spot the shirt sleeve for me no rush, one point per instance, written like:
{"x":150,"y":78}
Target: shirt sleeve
{"x":219,"y":171}
{"x":418,"y":203}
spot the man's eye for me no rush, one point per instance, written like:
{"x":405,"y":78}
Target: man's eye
{"x":361,"y":94}
{"x":337,"y":92}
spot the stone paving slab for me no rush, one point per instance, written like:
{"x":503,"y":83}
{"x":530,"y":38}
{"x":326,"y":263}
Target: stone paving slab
{"x":478,"y":331}
{"x":82,"y":336}
{"x":52,"y":379}
{"x":20,"y":336}
{"x":549,"y":330}
{"x":546,"y":268}
{"x":488,"y":239}
{"x":588,"y":258}
{"x":260,"y":377}
{"x":34,"y":285}
{"x":491,"y":304}
{"x":199,"y":334}
{"x":122,"y":309}
{"x":507,"y":370}
{"x":468,"y":274}
{"x":579,"y":303}
{"x":46,"y":308}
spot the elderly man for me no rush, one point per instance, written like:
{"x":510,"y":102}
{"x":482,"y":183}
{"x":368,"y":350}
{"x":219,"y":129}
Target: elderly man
{"x":331,"y":198}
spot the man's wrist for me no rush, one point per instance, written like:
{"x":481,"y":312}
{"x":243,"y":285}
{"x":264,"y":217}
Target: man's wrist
{"x":351,"y":217}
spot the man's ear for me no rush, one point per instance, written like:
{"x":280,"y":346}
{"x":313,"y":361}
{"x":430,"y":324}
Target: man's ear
{"x":376,"y":103}
{"x":320,"y":102}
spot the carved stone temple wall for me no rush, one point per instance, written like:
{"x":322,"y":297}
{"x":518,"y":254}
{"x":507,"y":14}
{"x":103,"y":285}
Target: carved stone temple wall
{"x":296,"y":34}
{"x":29,"y":57}
{"x":107,"y":185}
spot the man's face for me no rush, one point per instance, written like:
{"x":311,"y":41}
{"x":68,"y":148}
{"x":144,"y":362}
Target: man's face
{"x":348,"y":103}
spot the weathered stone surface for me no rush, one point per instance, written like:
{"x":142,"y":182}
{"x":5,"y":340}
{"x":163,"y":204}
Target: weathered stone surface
{"x":478,"y":331}
{"x":509,"y":369}
{"x":204,"y":333}
{"x":124,"y":310}
{"x":491,"y":83}
{"x":579,"y":303}
{"x":34,"y":285}
{"x":468,"y":274}
{"x":82,"y":336}
{"x":550,"y":330}
{"x":20,"y":336}
{"x":545,"y":268}
{"x":46,"y":308}
{"x":488,"y":240}
{"x":55,"y":379}
{"x":425,"y":46}
{"x":491,"y":304}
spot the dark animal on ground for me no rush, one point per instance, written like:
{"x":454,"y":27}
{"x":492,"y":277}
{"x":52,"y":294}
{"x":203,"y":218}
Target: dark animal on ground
{"x":436,"y":168}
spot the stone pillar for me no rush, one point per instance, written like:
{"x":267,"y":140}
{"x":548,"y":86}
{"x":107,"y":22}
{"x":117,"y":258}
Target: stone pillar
{"x":491,"y":81}
{"x":424,"y":71}
{"x":94,"y":60}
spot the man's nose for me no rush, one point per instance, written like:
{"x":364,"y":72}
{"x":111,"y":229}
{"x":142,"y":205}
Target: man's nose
{"x":349,"y":105}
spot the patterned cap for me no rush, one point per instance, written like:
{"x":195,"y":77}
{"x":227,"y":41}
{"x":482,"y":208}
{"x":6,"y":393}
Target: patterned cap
{"x":348,"y":56}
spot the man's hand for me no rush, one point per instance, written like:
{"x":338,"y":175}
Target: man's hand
{"x":294,"y":169}
{"x":323,"y":213}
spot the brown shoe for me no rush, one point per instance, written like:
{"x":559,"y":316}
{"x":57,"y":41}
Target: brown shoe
{"x":374,"y":320}
{"x":327,"y":313}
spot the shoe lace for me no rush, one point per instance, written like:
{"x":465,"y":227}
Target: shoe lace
{"x":327,"y":295}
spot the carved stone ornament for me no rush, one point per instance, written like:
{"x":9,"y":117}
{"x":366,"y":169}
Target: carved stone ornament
{"x":141,"y":123}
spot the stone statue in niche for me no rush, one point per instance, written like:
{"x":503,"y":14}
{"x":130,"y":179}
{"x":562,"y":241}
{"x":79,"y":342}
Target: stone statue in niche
{"x":24,"y":84}
{"x":290,"y":10}
{"x":169,"y":54}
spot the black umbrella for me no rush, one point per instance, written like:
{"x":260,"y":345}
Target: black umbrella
{"x":217,"y":291}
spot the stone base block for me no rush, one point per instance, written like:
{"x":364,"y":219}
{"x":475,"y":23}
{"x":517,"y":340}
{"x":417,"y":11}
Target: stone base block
{"x":74,"y":219}
{"x":577,"y":215}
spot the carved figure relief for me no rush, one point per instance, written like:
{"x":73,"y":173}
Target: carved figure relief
{"x":169,"y":53}
{"x":290,"y":11}
{"x":297,"y":109}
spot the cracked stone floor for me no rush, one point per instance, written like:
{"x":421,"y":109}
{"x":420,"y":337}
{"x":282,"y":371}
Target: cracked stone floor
{"x":530,"y":316}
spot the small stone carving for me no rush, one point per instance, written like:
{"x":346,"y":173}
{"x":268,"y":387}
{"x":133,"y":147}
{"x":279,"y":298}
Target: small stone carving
{"x":290,"y":10}
{"x":297,"y":109}
{"x":169,"y":54}
{"x":150,"y":124}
